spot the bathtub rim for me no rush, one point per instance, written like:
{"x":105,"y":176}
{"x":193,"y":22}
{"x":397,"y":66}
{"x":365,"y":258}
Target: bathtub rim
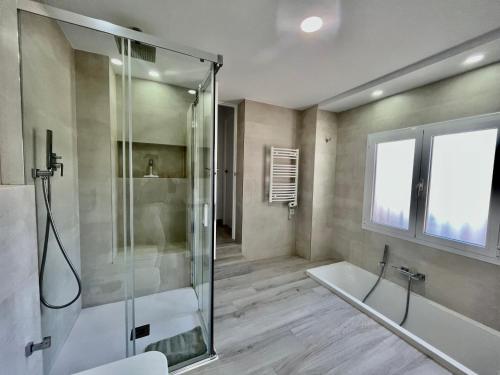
{"x":423,"y":346}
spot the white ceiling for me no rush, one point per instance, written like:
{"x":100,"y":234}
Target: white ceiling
{"x":432,"y":72}
{"x":266,"y":56}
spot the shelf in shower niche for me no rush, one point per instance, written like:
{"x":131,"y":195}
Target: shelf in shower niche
{"x":156,"y":178}
{"x":169,"y":161}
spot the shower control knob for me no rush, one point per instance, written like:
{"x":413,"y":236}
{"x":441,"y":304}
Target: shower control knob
{"x":55,"y":164}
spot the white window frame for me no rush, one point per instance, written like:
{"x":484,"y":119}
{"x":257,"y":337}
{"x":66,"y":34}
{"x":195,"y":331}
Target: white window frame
{"x":371,"y":158}
{"x":424,"y":135}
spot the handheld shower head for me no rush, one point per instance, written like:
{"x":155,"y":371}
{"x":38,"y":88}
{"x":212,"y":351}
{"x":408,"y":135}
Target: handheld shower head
{"x":48,"y":148}
{"x":53,"y":160}
{"x":386,"y":254}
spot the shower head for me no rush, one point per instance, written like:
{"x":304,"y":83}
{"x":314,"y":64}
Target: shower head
{"x":48,"y":148}
{"x":138,"y":50}
{"x":386,"y":254}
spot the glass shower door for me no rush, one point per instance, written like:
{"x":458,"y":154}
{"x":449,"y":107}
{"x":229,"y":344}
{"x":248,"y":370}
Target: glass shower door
{"x":70,"y":79}
{"x":203,"y":196}
{"x":170,"y":107}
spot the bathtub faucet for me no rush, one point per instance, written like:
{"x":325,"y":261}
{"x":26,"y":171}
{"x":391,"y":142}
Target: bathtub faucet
{"x":411,"y":275}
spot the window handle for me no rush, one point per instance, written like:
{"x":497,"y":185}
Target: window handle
{"x":419,"y":187}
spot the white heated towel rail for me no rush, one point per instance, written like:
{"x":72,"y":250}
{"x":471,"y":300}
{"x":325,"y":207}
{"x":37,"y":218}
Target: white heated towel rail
{"x":284,"y":175}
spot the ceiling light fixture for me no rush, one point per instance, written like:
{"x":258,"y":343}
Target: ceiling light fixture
{"x":154,"y":74}
{"x":116,"y":62}
{"x":474,"y":59}
{"x":192,"y":92}
{"x":377,"y":93}
{"x":311,"y":24}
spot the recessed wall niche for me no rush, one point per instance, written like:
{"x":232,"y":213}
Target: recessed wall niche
{"x":168,"y":161}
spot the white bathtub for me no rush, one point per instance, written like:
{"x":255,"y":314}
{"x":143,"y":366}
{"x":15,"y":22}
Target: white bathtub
{"x":460,"y":344}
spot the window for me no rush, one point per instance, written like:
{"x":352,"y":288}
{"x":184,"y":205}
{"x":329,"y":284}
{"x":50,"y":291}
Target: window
{"x":461,"y":171}
{"x":434,"y":184}
{"x":393,"y":182}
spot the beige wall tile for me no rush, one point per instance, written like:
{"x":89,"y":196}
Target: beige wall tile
{"x":267,"y":232}
{"x":49,"y":103}
{"x":11,"y":139}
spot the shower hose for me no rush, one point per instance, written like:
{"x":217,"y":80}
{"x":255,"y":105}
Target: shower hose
{"x":407,"y":302}
{"x":376,"y":283}
{"x":50,"y":223}
{"x":381,"y":273}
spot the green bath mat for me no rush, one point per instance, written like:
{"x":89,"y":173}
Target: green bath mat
{"x":182,"y":347}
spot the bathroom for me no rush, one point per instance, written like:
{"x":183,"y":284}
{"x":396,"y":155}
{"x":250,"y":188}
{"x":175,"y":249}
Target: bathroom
{"x":182,"y":201}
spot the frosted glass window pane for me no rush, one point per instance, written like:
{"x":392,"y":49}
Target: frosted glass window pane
{"x":460,"y":186}
{"x":393,"y":182}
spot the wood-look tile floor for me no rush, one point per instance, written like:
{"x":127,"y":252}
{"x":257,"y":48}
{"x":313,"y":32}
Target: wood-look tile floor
{"x":271,"y":319}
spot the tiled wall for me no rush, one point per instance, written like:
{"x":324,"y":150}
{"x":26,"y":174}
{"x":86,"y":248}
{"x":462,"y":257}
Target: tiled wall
{"x":49,"y":103}
{"x":240,"y":171}
{"x":324,"y":185}
{"x":317,"y":140}
{"x":306,"y":142}
{"x":267,"y":232}
{"x":93,"y":118}
{"x":468,"y":286}
{"x":19,"y":298}
{"x":159,"y":112}
{"x":11,"y":152}
{"x":159,"y":131}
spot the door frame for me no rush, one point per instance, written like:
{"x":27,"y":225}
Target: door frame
{"x":235,"y":170}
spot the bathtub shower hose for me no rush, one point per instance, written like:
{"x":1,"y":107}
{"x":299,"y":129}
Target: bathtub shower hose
{"x":381,"y":273}
{"x":382,"y":268}
{"x":407,"y":302}
{"x":50,"y":223}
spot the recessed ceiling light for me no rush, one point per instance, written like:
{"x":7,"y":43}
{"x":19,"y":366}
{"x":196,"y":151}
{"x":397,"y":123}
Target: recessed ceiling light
{"x":474,"y":59}
{"x":377,"y":93}
{"x":154,"y":74}
{"x":192,"y":92}
{"x":311,"y":24}
{"x":116,"y":62}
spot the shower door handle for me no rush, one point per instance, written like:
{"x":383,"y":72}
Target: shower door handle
{"x":205,"y":215}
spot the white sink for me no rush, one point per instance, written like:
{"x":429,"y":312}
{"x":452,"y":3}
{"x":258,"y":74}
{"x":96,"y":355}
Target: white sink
{"x":149,"y":363}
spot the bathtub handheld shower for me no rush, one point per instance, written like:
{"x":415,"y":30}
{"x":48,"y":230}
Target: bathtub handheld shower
{"x":405,"y":271}
{"x":53,"y":164}
{"x":382,"y":264}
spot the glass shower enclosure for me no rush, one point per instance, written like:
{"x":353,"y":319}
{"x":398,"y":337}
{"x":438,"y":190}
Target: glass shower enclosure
{"x":118,"y":134}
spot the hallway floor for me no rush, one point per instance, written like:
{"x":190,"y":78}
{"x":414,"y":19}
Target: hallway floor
{"x":271,"y":319}
{"x":224,"y":234}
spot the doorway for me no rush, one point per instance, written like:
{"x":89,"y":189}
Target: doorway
{"x":226,"y":176}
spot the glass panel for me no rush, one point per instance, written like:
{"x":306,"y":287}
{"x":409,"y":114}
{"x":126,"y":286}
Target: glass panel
{"x":393,"y":183}
{"x":171,"y":124}
{"x":203,"y":228}
{"x":69,"y":86}
{"x":460,"y":186}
